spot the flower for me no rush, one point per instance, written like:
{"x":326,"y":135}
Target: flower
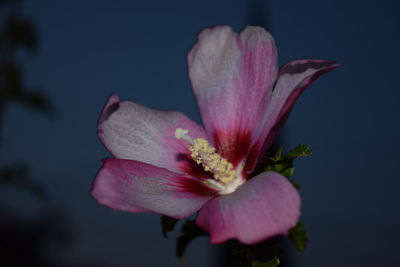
{"x":167,"y":164}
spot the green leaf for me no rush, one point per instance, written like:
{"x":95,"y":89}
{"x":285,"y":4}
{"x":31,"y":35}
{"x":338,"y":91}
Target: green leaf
{"x":277,"y":155}
{"x":299,"y":236}
{"x":36,"y":100}
{"x":273,"y":263}
{"x":167,"y":225}
{"x":284,"y":163}
{"x":299,"y":151}
{"x":288,"y":171}
{"x":190,"y":231}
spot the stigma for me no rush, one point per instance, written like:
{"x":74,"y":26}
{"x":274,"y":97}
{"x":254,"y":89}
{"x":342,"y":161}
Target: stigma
{"x":206,"y":156}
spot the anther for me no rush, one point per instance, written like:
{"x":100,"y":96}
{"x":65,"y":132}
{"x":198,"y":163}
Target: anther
{"x":204,"y":154}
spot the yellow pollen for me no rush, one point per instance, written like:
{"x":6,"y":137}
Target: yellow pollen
{"x":204,"y":154}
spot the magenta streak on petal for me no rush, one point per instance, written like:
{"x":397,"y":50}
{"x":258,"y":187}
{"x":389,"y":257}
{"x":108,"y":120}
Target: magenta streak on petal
{"x":191,"y":168}
{"x":233,"y":146}
{"x":196,"y":187}
{"x":252,"y":158}
{"x":135,"y":186}
{"x":265,"y":206}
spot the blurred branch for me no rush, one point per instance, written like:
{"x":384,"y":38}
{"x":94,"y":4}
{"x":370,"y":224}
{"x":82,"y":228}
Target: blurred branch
{"x":36,"y":100}
{"x":17,"y":175}
{"x":20,"y":33}
{"x":12,"y":89}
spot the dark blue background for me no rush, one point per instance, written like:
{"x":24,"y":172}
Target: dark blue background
{"x":89,"y":49}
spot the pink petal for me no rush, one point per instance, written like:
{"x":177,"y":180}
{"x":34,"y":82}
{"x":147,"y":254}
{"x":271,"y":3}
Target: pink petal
{"x":293,"y":79}
{"x":132,"y":131}
{"x":232,"y":77}
{"x":265,"y":206}
{"x":134,"y":186}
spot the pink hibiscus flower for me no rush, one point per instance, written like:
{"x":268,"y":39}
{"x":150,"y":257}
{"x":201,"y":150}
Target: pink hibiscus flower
{"x":167,"y":164}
